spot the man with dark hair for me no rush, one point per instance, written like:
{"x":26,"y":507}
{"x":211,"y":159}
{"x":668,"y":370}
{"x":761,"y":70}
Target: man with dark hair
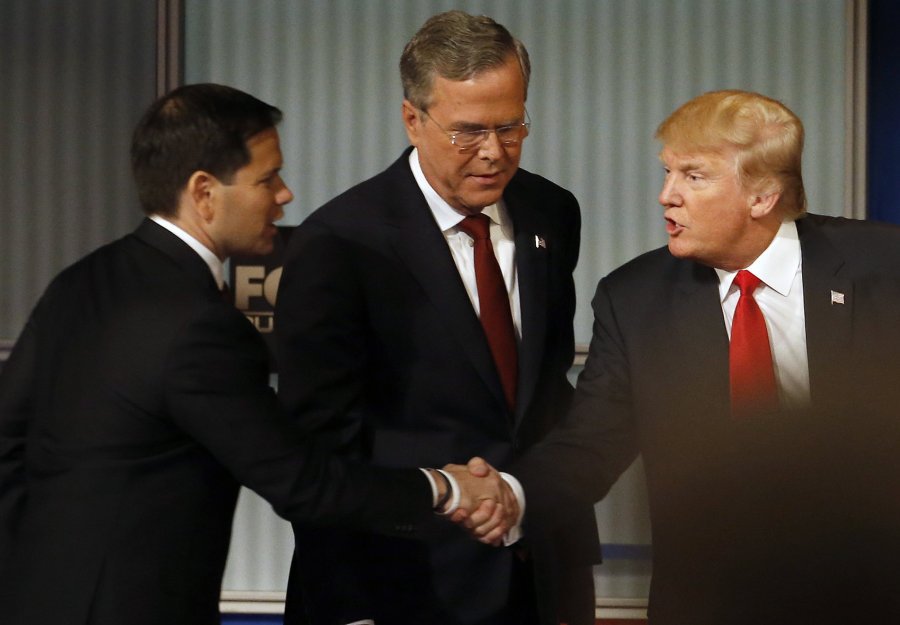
{"x":425,"y":316}
{"x":136,"y":399}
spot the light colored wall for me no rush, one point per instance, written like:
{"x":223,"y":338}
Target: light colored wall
{"x":76,"y":77}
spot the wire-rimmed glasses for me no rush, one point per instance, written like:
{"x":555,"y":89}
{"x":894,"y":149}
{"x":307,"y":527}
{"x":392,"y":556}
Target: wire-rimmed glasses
{"x":469,"y":140}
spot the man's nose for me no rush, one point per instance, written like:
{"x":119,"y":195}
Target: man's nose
{"x":284,"y":195}
{"x":491,"y":148}
{"x":668,"y":195}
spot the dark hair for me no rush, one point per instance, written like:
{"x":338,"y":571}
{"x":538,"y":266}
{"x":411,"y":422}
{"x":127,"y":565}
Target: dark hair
{"x":192,"y":128}
{"x":456,"y":46}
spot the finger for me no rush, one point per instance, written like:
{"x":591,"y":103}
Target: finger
{"x":482,"y":514}
{"x":494,"y":538}
{"x":497,"y":518}
{"x":493,"y":529}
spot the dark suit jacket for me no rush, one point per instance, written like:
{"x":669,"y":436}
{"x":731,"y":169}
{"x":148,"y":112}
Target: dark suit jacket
{"x":382,"y":355}
{"x":791,"y":519}
{"x":133,"y":404}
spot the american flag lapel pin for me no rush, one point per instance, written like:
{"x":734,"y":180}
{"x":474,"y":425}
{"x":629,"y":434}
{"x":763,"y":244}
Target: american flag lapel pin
{"x":837,"y":298}
{"x":539,"y":242}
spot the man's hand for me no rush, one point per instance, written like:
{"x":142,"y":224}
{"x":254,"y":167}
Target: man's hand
{"x":488,"y":506}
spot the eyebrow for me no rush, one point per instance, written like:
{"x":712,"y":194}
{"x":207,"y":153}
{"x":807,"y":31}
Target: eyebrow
{"x":684,"y":165}
{"x":269,"y":172}
{"x":470,"y":126}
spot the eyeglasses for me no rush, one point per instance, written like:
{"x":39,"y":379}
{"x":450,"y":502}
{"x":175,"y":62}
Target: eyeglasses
{"x":469,"y":140}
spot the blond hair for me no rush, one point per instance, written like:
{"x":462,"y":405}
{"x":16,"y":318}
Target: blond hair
{"x":765,"y":135}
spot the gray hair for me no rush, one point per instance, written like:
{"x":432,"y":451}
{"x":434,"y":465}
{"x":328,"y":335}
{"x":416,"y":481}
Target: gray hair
{"x":456,"y":46}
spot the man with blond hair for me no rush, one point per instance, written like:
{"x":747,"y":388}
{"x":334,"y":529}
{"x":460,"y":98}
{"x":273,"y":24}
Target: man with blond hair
{"x":753,"y":363}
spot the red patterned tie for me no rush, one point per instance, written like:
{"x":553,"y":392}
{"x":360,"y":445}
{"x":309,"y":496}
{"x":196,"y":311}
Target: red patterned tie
{"x":496,"y":318}
{"x":753,"y":388}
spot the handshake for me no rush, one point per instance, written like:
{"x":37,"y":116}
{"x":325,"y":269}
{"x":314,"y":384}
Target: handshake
{"x":487,"y":506}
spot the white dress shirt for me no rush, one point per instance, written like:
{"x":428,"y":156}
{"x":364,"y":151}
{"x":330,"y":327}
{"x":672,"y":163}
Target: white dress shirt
{"x":216,"y":266}
{"x":462,"y":246}
{"x":780,"y":298}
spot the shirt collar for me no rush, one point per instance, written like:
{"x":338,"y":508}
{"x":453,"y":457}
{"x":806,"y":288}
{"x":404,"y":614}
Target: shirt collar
{"x":215,"y":265}
{"x":446,"y":216}
{"x":776,"y":266}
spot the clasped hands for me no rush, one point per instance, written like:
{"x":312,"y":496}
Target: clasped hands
{"x":488,"y":508}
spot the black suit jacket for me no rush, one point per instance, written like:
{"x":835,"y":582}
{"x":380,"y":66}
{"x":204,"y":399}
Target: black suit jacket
{"x":131,"y":407}
{"x":792,"y":519}
{"x":382,"y":355}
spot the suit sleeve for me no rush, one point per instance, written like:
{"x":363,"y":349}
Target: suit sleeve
{"x":16,"y":409}
{"x":217,"y":390}
{"x":321,"y":341}
{"x":566,"y":321}
{"x":322,"y":377}
{"x":584,"y":455}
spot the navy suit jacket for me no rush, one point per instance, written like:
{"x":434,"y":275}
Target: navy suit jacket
{"x":383,"y":356}
{"x":131,"y":407}
{"x":778,"y":520}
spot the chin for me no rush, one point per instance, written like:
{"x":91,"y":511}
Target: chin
{"x":681,"y":251}
{"x":482,"y":200}
{"x":262,"y":248}
{"x":675,"y":250}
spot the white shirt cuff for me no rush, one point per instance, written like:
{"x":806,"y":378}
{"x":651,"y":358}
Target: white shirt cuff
{"x":455,"y":495}
{"x":434,"y":496}
{"x":515,"y":533}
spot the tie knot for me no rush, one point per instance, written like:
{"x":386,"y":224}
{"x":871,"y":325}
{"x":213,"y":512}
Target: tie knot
{"x":476,"y":226}
{"x":746,"y":282}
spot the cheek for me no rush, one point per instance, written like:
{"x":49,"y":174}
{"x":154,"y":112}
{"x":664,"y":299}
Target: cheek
{"x":454,"y":177}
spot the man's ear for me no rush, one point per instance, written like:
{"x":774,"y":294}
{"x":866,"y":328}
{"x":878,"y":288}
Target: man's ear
{"x":201,"y":190}
{"x":411,"y":122}
{"x":763,"y":204}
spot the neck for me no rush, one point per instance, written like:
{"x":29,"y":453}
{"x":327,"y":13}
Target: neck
{"x":754,"y":245}
{"x":195,"y":227}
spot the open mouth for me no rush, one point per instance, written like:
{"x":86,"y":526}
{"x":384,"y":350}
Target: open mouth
{"x":672,"y":226}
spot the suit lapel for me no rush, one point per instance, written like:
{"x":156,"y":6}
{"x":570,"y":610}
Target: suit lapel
{"x":421,"y":245}
{"x":532,"y":275}
{"x":828,"y":323}
{"x":700,"y":364}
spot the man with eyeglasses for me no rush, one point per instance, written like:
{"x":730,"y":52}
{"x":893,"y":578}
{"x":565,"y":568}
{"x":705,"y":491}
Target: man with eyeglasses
{"x":424,"y":317}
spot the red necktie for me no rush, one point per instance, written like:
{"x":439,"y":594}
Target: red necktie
{"x":493,"y":300}
{"x":753,"y":388}
{"x":226,"y":294}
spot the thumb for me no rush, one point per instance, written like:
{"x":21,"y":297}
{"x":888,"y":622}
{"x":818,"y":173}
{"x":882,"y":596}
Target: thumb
{"x":479,"y":467}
